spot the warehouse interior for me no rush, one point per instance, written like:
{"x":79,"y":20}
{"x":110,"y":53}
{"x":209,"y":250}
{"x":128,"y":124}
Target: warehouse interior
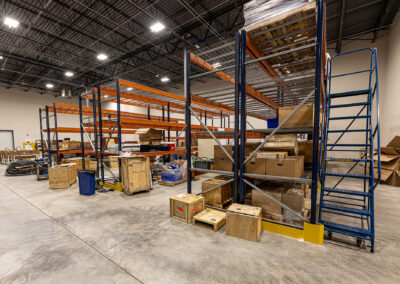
{"x":199,"y":141}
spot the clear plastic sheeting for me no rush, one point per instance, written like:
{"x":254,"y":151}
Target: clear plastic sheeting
{"x":259,"y":11}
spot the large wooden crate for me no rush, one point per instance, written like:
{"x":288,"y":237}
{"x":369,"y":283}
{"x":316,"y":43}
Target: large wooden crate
{"x":243,"y":222}
{"x":185,"y":206}
{"x":135,"y":174}
{"x":62,"y":176}
{"x":113,"y":163}
{"x":219,"y":196}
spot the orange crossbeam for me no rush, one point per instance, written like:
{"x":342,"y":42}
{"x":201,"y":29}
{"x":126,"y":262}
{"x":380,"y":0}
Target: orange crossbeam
{"x":142,"y":98}
{"x":210,"y":104}
{"x":250,"y":91}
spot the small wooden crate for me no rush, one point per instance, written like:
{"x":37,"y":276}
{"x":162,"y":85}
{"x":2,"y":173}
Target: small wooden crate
{"x":210,"y":219}
{"x":171,"y":183}
{"x":62,"y":176}
{"x":243,"y":221}
{"x":135,"y":174}
{"x":219,"y":196}
{"x":185,"y":206}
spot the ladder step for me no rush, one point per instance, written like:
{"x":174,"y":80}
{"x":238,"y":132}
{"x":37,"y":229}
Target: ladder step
{"x":349,"y":105}
{"x":345,"y":191}
{"x":349,"y":117}
{"x":347,"y":175}
{"x":348,"y":160}
{"x":346,"y":209}
{"x":348,"y":145}
{"x":348,"y":130}
{"x":349,"y":94}
{"x":344,"y":229}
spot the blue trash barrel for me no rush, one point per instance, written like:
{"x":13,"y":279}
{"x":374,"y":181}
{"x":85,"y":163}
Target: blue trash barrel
{"x":87,"y":182}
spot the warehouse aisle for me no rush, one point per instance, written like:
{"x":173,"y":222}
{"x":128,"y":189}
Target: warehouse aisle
{"x":59,"y":236}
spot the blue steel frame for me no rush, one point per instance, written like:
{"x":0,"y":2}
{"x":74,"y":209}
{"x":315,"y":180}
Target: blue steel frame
{"x":374,"y":132}
{"x":188,"y":134}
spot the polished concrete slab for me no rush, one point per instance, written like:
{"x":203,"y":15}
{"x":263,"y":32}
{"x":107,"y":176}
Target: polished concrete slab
{"x":58,"y":236}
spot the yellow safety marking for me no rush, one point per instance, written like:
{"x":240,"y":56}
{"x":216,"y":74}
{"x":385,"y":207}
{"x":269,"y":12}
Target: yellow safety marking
{"x":117,"y":186}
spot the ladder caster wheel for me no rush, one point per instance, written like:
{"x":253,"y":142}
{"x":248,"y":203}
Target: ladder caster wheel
{"x":329,"y":235}
{"x":359,"y":241}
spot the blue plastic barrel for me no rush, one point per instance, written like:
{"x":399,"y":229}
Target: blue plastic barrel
{"x":87,"y":182}
{"x":273,"y":122}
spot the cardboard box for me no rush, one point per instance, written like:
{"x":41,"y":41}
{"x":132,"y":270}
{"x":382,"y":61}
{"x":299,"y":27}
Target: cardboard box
{"x":148,"y":134}
{"x":243,"y":221}
{"x":272,"y":155}
{"x":135,"y":174}
{"x":221,"y":160}
{"x":185,"y":206}
{"x":219,"y":196}
{"x":283,"y":142}
{"x":62,"y":176}
{"x":304,"y":117}
{"x":290,"y":167}
{"x":268,"y":206}
{"x":306,"y":150}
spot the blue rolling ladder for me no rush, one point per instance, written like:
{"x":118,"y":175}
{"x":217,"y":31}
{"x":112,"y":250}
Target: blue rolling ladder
{"x":344,"y":210}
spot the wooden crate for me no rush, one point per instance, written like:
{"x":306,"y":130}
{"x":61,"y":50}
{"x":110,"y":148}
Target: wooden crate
{"x":210,"y":219}
{"x":243,"y":221}
{"x":113,"y":163}
{"x":219,"y":196}
{"x":185,"y":206}
{"x":170,"y":183}
{"x":62,"y":176}
{"x":135,"y":174}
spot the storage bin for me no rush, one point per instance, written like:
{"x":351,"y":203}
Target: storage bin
{"x":87,"y":182}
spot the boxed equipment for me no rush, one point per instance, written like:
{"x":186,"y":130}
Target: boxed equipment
{"x":62,"y":176}
{"x":243,"y":221}
{"x":219,"y":196}
{"x":292,"y":166}
{"x":185,"y":206}
{"x":135,"y":174}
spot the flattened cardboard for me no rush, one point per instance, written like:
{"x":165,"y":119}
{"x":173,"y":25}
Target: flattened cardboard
{"x":395,"y":142}
{"x":389,"y":162}
{"x":390,"y":151}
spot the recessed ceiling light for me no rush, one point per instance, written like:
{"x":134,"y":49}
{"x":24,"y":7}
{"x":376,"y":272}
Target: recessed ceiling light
{"x":129,"y":89}
{"x":164,"y":79}
{"x":10,"y":22}
{"x":197,"y":46}
{"x":1,"y":57}
{"x":69,"y":74}
{"x":155,"y":28}
{"x":102,"y":56}
{"x":216,"y":65}
{"x":49,"y":85}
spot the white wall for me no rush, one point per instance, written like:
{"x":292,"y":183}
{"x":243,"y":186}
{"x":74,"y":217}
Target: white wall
{"x":19,"y":111}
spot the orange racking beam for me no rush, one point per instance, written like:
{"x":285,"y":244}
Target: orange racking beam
{"x":134,"y":96}
{"x":105,"y":112}
{"x":254,"y":53}
{"x":88,"y":130}
{"x":211,"y":104}
{"x":250,"y":91}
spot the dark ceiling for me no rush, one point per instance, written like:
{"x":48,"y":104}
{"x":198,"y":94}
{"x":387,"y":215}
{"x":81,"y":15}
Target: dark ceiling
{"x":59,"y":35}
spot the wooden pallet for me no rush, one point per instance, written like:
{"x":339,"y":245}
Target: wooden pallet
{"x":210,"y":219}
{"x":170,"y":183}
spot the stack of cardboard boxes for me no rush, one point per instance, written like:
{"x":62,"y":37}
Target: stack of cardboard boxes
{"x":390,"y":163}
{"x":149,"y":136}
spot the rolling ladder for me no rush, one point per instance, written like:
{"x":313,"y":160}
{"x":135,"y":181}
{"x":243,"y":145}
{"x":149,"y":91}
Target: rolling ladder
{"x":347,"y":193}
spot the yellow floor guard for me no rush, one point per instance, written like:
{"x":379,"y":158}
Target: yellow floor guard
{"x":117,"y":186}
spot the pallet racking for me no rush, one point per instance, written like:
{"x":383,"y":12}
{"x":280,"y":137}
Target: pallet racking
{"x":296,"y":39}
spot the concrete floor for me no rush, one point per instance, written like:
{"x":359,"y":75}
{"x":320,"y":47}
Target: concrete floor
{"x":58,"y":236}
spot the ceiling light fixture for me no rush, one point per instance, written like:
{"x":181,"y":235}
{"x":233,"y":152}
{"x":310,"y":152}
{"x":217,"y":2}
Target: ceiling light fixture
{"x":216,"y":65}
{"x":164,"y":79}
{"x":102,"y":56}
{"x":1,"y":57}
{"x":129,"y":89}
{"x":69,"y":74}
{"x":11,"y":23}
{"x":157,"y":27}
{"x":49,"y":85}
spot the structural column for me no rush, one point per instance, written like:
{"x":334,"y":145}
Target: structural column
{"x":188,"y":134}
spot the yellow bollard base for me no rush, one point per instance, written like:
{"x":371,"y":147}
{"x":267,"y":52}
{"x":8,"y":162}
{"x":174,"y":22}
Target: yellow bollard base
{"x":117,"y":186}
{"x":314,"y":233}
